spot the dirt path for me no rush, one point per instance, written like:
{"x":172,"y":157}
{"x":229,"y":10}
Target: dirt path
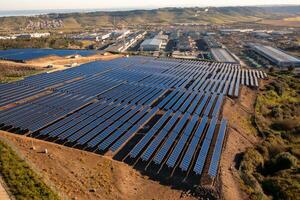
{"x":58,"y":63}
{"x":78,"y":175}
{"x":241,"y":135}
{"x":3,"y":193}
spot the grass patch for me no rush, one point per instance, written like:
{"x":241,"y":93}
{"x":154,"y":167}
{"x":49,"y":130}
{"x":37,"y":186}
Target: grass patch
{"x":272,"y":167}
{"x":22,"y":181}
{"x":15,"y":73}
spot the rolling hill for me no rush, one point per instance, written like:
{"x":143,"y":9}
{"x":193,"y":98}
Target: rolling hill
{"x":210,"y":15}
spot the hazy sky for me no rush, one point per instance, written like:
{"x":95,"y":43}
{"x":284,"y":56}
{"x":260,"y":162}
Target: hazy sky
{"x":116,"y":4}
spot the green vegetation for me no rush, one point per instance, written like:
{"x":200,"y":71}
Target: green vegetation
{"x":55,"y":42}
{"x":22,"y":181}
{"x":15,"y":73}
{"x":272,"y":167}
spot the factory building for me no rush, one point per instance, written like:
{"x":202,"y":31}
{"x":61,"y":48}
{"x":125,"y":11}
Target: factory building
{"x":151,"y":45}
{"x":274,"y":55}
{"x":185,"y":44}
{"x":222,"y":55}
{"x":211,"y":42}
{"x":127,"y":42}
{"x":165,"y":38}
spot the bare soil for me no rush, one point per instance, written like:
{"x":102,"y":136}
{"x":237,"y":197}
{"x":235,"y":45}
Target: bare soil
{"x":77,"y":174}
{"x":290,"y":23}
{"x":58,"y":63}
{"x":241,"y":134}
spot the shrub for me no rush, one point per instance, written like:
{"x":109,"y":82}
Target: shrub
{"x":252,"y":159}
{"x":275,"y":112}
{"x":285,"y":125}
{"x":279,"y":89}
{"x":21,"y":180}
{"x":286,"y":186}
{"x":282,"y":161}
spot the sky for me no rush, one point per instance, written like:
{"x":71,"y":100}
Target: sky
{"x":130,"y":4}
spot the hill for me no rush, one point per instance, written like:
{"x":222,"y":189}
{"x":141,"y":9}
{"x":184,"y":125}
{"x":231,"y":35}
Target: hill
{"x":211,"y":15}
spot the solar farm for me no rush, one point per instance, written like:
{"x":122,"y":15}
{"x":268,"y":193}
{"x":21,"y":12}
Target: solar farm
{"x":23,"y":55}
{"x":162,"y":116}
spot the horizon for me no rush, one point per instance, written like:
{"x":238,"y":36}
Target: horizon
{"x":61,"y":6}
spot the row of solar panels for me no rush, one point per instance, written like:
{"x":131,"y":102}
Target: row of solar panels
{"x":107,"y":126}
{"x":38,"y":113}
{"x":181,"y":141}
{"x":100,"y":125}
{"x":30,"y":54}
{"x":133,"y":94}
{"x":102,"y":105}
{"x":193,"y":103}
{"x":105,"y":69}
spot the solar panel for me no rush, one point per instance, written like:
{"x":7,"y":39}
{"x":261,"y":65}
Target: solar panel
{"x":158,"y":139}
{"x":138,"y":148}
{"x":185,"y":163}
{"x":133,"y":129}
{"x":205,"y":147}
{"x":102,"y":104}
{"x":210,"y":105}
{"x":181,"y":143}
{"x":169,"y":141}
{"x":217,"y":107}
{"x":29,"y":54}
{"x":202,"y":104}
{"x":214,"y":163}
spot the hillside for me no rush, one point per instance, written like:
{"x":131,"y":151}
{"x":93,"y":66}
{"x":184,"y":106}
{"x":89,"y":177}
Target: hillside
{"x":271,"y":167}
{"x":212,"y":15}
{"x":76,"y":174}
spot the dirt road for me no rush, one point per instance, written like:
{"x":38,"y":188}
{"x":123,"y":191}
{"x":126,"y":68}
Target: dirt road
{"x":241,"y":135}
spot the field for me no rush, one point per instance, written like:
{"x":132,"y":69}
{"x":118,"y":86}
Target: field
{"x":288,"y":22}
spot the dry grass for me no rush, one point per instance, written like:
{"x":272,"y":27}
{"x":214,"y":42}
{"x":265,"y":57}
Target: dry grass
{"x":22,"y":181}
{"x":280,"y":22}
{"x":10,"y":73}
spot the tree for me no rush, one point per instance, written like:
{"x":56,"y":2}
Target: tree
{"x":291,"y":68}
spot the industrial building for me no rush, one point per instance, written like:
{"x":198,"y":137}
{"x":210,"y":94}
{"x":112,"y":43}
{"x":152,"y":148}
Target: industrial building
{"x":163,"y":37}
{"x":122,"y":45}
{"x":211,"y":42}
{"x":151,"y":45}
{"x":274,"y":55}
{"x":222,"y":55}
{"x":185,"y":44}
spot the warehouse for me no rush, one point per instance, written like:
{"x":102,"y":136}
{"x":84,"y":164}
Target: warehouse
{"x":151,"y":45}
{"x":211,"y":42}
{"x":185,"y":44}
{"x":274,"y":55}
{"x":222,"y":55}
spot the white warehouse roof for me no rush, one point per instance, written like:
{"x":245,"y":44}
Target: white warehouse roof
{"x":154,"y":42}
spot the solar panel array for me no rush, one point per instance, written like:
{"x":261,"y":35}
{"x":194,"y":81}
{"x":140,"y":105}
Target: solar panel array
{"x":160,"y":112}
{"x":30,"y":53}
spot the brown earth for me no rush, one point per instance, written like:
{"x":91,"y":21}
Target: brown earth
{"x":279,"y":22}
{"x":57,"y":62}
{"x":77,"y":174}
{"x":241,"y":134}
